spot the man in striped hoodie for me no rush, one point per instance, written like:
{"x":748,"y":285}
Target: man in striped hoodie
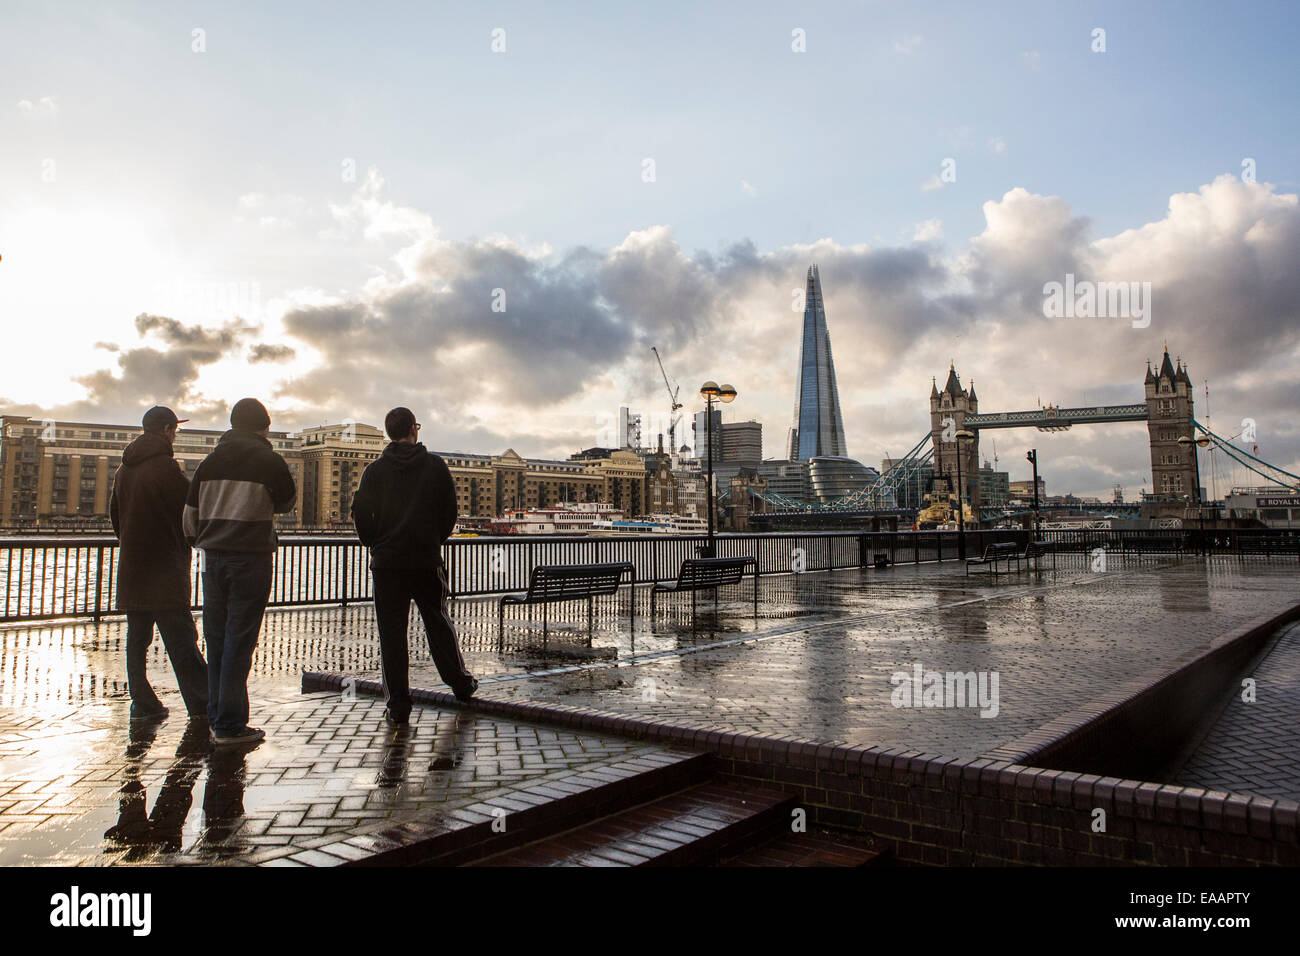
{"x":230,"y":517}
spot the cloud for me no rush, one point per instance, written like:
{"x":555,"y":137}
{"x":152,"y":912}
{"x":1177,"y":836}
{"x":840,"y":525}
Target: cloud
{"x":148,"y":375}
{"x":928,"y":230}
{"x":907,"y":45}
{"x":506,"y":345}
{"x":931,"y":183}
{"x":748,"y":188}
{"x":200,"y":339}
{"x":270,"y":353}
{"x":378,"y":218}
{"x":998,"y":146}
{"x":45,"y":106}
{"x":1032,"y":59}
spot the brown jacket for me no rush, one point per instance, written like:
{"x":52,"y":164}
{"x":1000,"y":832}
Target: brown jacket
{"x":153,"y":562}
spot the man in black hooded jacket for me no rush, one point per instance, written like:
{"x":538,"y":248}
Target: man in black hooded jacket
{"x":404,"y":509}
{"x":153,"y":566}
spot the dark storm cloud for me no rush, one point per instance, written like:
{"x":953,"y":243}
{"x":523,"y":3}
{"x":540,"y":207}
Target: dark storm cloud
{"x":199,"y":339}
{"x":483,"y":324}
{"x":270,"y":353}
{"x":147,"y":375}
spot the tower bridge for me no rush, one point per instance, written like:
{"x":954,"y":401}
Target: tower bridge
{"x":1167,"y":409}
{"x":1172,"y":433}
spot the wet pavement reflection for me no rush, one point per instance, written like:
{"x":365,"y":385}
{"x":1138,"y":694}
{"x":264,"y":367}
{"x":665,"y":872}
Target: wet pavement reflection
{"x":79,"y":783}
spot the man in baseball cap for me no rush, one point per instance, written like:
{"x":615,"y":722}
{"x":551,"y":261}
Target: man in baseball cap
{"x":160,"y":418}
{"x":153,"y":566}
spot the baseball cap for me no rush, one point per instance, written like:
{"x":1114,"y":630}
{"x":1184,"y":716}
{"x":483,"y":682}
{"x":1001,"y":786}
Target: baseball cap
{"x":160,"y":417}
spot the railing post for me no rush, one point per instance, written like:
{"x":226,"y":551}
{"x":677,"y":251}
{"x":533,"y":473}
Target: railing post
{"x":343,"y":588}
{"x":99,"y":580}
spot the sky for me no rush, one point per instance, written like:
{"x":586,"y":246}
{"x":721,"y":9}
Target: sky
{"x":491,"y":212}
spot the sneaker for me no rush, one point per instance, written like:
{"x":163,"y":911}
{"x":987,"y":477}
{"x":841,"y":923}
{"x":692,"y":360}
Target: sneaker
{"x":466,"y":692}
{"x":142,"y":716}
{"x":394,"y":720}
{"x":249,"y":735}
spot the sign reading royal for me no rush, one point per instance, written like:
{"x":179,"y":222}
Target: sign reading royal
{"x":1292,"y":501}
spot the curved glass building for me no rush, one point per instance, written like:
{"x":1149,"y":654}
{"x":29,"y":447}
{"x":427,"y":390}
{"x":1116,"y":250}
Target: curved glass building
{"x":832,"y":477}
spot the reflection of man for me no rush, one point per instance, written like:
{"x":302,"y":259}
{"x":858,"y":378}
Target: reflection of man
{"x":223,"y":796}
{"x":153,"y":566}
{"x":162,"y":829}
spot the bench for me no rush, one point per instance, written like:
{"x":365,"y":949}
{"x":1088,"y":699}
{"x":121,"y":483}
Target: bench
{"x":1007,"y":551}
{"x":1268,"y":544}
{"x":567,"y":582}
{"x":1035,"y":550}
{"x":700,"y":574}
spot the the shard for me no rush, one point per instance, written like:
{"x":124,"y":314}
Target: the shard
{"x":818,"y":429}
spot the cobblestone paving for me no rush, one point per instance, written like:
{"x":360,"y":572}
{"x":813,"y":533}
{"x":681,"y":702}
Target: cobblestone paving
{"x":815,"y":661}
{"x":82,"y":785}
{"x":1054,"y":640}
{"x":1255,"y":747}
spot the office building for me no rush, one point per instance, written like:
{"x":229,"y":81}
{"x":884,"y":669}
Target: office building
{"x":818,"y":429}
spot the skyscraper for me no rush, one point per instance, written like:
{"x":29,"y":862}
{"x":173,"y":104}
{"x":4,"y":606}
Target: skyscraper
{"x":818,"y":427}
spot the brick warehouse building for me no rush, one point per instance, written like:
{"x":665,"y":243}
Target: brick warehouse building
{"x":56,"y":473}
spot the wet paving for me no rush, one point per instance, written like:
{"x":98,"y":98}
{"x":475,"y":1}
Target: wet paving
{"x":1254,"y":745}
{"x":818,"y":660}
{"x":83,"y":785}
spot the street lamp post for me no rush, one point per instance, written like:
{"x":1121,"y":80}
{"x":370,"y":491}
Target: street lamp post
{"x":725,"y":394}
{"x":961,"y":511}
{"x":1032,"y":457}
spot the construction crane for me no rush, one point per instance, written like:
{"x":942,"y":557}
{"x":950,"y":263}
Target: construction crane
{"x":673,"y":417}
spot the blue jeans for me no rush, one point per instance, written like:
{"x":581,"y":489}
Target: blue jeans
{"x":236,"y":587}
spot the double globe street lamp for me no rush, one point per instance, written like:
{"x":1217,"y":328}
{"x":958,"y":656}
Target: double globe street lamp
{"x":725,"y":394}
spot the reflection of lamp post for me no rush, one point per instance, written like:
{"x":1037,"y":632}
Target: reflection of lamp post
{"x":961,"y":511}
{"x":725,"y":394}
{"x":1190,"y":444}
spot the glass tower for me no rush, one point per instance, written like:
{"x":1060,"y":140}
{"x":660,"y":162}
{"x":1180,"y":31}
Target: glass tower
{"x":818,"y":427}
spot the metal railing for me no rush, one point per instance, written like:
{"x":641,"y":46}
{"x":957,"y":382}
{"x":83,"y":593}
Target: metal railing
{"x":58,"y":577}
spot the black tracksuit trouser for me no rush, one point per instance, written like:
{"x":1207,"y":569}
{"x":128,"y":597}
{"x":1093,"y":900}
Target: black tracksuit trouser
{"x":395,"y":589}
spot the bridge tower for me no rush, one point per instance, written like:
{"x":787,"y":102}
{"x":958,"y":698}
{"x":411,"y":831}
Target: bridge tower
{"x":1175,"y":475}
{"x":955,"y":403}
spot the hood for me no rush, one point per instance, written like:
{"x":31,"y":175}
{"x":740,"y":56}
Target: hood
{"x":406,"y":454}
{"x":149,"y":445}
{"x":240,"y":436}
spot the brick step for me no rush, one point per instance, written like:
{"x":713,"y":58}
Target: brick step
{"x":806,"y":849}
{"x":531,"y":811}
{"x":694,"y":826}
